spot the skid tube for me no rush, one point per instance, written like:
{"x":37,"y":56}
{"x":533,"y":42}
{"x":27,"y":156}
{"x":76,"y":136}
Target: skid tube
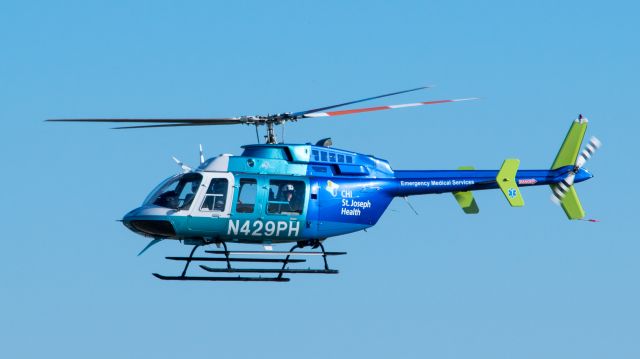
{"x":227,"y":258}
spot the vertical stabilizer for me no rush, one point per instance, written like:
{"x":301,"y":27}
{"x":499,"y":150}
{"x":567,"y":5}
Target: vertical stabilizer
{"x":567,"y":156}
{"x":571,"y":145}
{"x":571,"y":205}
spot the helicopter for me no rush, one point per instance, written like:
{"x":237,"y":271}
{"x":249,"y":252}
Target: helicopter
{"x":302,"y":194}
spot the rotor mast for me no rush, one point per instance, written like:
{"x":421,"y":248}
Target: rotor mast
{"x":271,"y":134}
{"x":269,"y":122}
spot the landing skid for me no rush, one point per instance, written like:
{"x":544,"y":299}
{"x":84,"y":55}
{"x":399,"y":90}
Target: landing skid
{"x":240,"y":256}
{"x":220,"y":279}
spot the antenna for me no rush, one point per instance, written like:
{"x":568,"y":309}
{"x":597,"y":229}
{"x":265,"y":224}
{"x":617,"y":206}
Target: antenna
{"x":201,"y":155}
{"x":410,"y":206}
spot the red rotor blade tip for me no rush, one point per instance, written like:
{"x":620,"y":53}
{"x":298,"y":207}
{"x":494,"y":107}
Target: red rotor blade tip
{"x":381,"y":108}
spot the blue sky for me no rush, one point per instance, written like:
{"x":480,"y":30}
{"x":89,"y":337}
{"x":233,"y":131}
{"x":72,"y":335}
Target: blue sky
{"x":506,"y":283}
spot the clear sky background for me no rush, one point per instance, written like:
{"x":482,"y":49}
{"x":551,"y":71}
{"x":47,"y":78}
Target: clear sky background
{"x":506,"y":283}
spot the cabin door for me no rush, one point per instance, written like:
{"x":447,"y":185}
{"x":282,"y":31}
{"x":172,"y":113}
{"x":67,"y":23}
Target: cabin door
{"x":211,"y":206}
{"x":247,"y":211}
{"x":286,"y":207}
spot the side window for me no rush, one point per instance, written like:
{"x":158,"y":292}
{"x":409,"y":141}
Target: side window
{"x":323,"y":156}
{"x":315,"y":155}
{"x":179,"y":194}
{"x":247,"y":195}
{"x":286,"y":197}
{"x":216,"y":197}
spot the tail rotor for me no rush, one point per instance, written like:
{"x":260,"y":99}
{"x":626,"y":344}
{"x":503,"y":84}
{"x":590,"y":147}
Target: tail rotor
{"x":560,"y":191}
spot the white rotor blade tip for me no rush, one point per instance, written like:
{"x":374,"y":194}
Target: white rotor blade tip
{"x":570,"y":179}
{"x":317,"y":114}
{"x":466,"y":99}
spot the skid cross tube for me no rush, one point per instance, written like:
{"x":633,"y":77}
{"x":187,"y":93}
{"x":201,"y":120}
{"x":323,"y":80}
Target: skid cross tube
{"x":186,"y":266}
{"x":302,"y":245}
{"x":324,"y":256}
{"x":226,"y":255}
{"x":286,"y":260}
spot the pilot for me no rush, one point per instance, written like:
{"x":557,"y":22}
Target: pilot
{"x":288,"y":192}
{"x":168,"y":199}
{"x":189,"y":197}
{"x":220,"y":189}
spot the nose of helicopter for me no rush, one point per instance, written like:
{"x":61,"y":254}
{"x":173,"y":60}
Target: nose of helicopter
{"x":143,"y":221}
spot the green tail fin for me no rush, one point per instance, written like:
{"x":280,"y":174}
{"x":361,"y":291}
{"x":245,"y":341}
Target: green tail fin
{"x":507,"y":182}
{"x":571,"y":145}
{"x":465,"y":199}
{"x":571,"y":204}
{"x":567,"y":157}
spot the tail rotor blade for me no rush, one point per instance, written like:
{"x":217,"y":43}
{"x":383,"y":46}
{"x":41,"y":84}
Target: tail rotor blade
{"x":588,"y":151}
{"x":560,"y":190}
{"x":201,"y":155}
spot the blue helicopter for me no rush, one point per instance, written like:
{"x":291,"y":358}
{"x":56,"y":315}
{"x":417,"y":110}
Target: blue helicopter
{"x":276,"y":193}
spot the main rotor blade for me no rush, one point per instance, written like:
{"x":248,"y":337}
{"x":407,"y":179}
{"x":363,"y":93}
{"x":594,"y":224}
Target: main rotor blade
{"x":303,"y":113}
{"x":380,"y":108}
{"x":178,"y":125}
{"x":227,"y":120}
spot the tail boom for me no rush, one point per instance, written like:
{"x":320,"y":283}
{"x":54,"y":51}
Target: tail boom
{"x":409,"y":183}
{"x":565,"y":171}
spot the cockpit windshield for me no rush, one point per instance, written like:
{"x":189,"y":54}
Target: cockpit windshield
{"x":177,"y":192}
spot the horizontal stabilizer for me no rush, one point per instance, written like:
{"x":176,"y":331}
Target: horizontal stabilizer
{"x":465,"y":198}
{"x":507,"y":182}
